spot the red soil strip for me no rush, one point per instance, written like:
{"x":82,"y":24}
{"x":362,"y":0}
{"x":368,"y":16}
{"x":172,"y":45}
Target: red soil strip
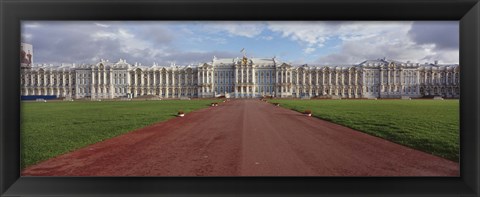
{"x":245,"y":138}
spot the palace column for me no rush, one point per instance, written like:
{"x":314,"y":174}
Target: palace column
{"x":204,"y":76}
{"x":148,"y":82}
{"x":174,"y":85}
{"x":392,"y":82}
{"x":235,"y":82}
{"x":402,"y":81}
{"x":104,"y":72}
{"x":201,"y":82}
{"x":110,"y":83}
{"x":155,"y":87}
{"x":336,"y":82}
{"x":336,"y":78}
{"x":241,"y":81}
{"x":290,"y":84}
{"x":100,"y":84}
{"x":185,"y":83}
{"x":388,"y":80}
{"x":363,"y":80}
{"x":212,"y":74}
{"x":446,"y":78}
{"x":254,"y":87}
{"x":334,"y":87}
{"x":317,"y":85}
{"x":152,"y":84}
{"x":39,"y":81}
{"x":432,"y":79}
{"x":161,"y":83}
{"x":418,"y":82}
{"x":329,"y":82}
{"x":192,"y":81}
{"x":275,"y":87}
{"x":323,"y":81}
{"x":63,"y":84}
{"x":70,"y":91}
{"x":48,"y":85}
{"x":210,"y":87}
{"x":398,"y":80}
{"x":354,"y":82}
{"x":282,"y":86}
{"x":142,"y":82}
{"x":340,"y":76}
{"x":129,"y":83}
{"x":296,"y":82}
{"x":454,"y":77}
{"x":342,"y":81}
{"x":349,"y":84}
{"x":310,"y":83}
{"x":381,"y":80}
{"x":171,"y":83}
{"x":179,"y":83}
{"x":167,"y":86}
{"x":134,"y":83}
{"x":424,"y":80}
{"x":202,"y":79}
{"x":247,"y":82}
{"x":207,"y":80}
{"x":323,"y":77}
{"x":57,"y":79}
{"x":281,"y":77}
{"x":304,"y":82}
{"x":58,"y":84}
{"x":99,"y":80}
{"x":32,"y":82}
{"x":92,"y":86}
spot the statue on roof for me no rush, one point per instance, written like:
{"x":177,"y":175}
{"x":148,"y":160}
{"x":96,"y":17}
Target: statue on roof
{"x":244,"y":60}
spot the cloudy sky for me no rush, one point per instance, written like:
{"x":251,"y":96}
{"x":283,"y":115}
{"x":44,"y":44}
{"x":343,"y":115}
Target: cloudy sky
{"x":188,"y":42}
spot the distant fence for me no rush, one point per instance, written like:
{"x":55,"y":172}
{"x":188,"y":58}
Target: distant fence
{"x":35,"y":97}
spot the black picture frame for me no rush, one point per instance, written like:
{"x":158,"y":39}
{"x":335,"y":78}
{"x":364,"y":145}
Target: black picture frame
{"x":12,"y":12}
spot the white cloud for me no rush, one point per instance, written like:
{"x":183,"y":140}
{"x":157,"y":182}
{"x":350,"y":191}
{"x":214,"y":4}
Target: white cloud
{"x":309,"y":50}
{"x":395,"y":45}
{"x":146,"y":42}
{"x":26,"y":37}
{"x":316,"y":34}
{"x":245,"y":29}
{"x":102,"y":25}
{"x":104,"y":35}
{"x":267,"y":37}
{"x":31,"y":25}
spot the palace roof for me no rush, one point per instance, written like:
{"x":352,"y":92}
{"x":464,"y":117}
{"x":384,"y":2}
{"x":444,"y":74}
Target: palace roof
{"x":261,"y":62}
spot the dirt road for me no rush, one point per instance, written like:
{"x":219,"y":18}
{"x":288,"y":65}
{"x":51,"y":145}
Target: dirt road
{"x":245,"y":138}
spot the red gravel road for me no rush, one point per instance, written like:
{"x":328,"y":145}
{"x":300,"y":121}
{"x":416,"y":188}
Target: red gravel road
{"x":245,"y":138}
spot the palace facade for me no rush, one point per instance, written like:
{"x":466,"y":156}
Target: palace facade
{"x":243,"y":78}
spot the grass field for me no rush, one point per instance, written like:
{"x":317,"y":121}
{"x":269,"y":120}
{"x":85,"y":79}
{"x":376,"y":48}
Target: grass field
{"x":53,"y":128}
{"x":428,"y":125}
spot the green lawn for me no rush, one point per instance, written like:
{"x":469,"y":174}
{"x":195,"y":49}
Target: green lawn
{"x":53,"y":128}
{"x":428,"y":125}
